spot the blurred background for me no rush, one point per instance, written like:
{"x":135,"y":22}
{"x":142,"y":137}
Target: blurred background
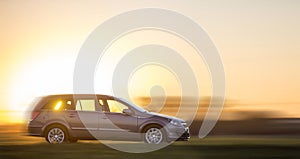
{"x":257,"y":40}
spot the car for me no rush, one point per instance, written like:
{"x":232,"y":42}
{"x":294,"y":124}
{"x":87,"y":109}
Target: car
{"x":67,"y":118}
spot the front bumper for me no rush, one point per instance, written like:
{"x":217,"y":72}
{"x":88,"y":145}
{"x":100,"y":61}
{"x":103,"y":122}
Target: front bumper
{"x":178,"y":133}
{"x":185,"y":136}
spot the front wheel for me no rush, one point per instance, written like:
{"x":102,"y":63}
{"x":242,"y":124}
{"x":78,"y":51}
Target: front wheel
{"x":154,"y":135}
{"x":56,"y":135}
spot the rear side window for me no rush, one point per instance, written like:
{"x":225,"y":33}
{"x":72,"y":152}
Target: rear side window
{"x":59,"y":104}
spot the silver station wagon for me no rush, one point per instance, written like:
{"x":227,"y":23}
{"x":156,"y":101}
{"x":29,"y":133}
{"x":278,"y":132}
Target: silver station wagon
{"x":70,"y":117}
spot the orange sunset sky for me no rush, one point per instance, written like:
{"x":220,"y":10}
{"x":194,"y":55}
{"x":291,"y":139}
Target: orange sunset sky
{"x":259,"y":42}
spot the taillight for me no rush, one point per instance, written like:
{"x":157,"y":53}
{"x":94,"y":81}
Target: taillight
{"x":34,"y":115}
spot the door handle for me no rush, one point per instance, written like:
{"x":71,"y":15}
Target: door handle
{"x":72,"y":116}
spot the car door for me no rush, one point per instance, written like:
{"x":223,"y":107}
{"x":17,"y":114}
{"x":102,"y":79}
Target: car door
{"x":114,"y":124}
{"x":84,"y":118}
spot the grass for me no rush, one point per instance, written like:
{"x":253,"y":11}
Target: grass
{"x":15,"y":145}
{"x":211,"y":147}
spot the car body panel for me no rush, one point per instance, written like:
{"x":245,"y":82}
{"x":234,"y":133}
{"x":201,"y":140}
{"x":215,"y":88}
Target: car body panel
{"x":101,"y":122}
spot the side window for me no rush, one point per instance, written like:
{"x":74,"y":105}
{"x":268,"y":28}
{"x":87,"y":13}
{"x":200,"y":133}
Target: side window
{"x":70,"y":105}
{"x":59,"y":104}
{"x":51,"y":104}
{"x":85,"y":105}
{"x":103,"y":105}
{"x":115,"y":106}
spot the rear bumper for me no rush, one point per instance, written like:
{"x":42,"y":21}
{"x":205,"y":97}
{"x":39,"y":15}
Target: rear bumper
{"x":34,"y":130}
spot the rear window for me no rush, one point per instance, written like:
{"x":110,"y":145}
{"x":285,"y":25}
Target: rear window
{"x":34,"y":105}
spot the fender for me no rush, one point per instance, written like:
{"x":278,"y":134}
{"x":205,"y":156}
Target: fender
{"x":149,"y":122}
{"x":59,"y":122}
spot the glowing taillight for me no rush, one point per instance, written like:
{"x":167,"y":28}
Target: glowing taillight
{"x":34,"y":115}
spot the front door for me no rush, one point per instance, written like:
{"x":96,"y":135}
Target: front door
{"x":114,"y":124}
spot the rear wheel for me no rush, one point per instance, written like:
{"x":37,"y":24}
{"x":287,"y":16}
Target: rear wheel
{"x":56,"y":134}
{"x":154,"y":135}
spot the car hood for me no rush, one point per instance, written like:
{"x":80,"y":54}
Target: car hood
{"x":165,"y":116}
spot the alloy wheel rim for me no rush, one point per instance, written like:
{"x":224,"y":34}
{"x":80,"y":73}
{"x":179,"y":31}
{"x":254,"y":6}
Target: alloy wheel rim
{"x":56,"y":136}
{"x":154,"y":136}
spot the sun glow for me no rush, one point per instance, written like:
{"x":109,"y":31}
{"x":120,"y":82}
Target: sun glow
{"x":259,"y":48}
{"x":50,"y":73}
{"x":58,"y":105}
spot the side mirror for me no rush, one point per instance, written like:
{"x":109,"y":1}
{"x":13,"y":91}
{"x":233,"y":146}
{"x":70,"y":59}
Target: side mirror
{"x":127,"y":111}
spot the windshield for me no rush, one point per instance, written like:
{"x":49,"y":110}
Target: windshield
{"x":132,"y":105}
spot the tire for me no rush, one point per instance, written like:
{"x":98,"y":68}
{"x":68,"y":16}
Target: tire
{"x":154,"y":134}
{"x":56,"y":134}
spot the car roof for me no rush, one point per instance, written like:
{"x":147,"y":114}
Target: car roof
{"x":77,"y":96}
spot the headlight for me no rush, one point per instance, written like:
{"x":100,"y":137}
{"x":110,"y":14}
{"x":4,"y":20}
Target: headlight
{"x":175,"y":123}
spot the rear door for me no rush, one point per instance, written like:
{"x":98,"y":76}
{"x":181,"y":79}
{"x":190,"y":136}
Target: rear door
{"x":84,"y":118}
